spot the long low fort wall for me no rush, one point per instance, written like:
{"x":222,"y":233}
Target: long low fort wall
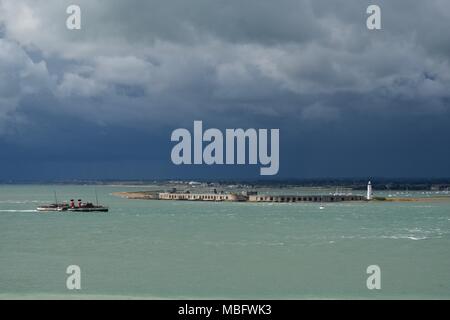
{"x":314,"y":198}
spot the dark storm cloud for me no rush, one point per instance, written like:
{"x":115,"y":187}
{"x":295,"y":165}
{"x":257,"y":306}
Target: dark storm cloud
{"x":139,"y":69}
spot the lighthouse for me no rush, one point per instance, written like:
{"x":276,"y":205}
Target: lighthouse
{"x":369,"y":191}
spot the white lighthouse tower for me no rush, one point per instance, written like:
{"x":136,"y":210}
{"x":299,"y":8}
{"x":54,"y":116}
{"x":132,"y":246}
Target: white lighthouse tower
{"x":369,"y":191}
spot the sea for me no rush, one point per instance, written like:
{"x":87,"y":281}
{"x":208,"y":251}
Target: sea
{"x":149,"y":249}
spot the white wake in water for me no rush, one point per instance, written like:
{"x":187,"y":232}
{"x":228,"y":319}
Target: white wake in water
{"x":21,"y":201}
{"x":20,"y":211}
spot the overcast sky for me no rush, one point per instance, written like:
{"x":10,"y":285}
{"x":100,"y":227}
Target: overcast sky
{"x":101,"y":102}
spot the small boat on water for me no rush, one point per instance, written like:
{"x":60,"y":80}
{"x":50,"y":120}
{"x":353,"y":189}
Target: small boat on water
{"x":80,"y":207}
{"x":86,"y":207}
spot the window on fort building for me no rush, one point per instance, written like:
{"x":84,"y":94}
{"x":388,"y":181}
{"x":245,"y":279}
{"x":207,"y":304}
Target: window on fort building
{"x":271,"y":198}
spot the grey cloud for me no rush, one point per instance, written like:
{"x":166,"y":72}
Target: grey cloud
{"x":19,"y":76}
{"x":148,"y":65}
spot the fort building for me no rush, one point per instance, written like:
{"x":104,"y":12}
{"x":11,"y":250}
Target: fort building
{"x":201,"y":196}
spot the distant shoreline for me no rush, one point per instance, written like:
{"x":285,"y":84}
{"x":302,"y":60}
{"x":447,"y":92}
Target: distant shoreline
{"x":354,"y":184}
{"x":153,"y":195}
{"x":429,"y":199}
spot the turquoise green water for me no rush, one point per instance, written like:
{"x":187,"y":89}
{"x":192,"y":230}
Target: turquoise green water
{"x":164,"y":249}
